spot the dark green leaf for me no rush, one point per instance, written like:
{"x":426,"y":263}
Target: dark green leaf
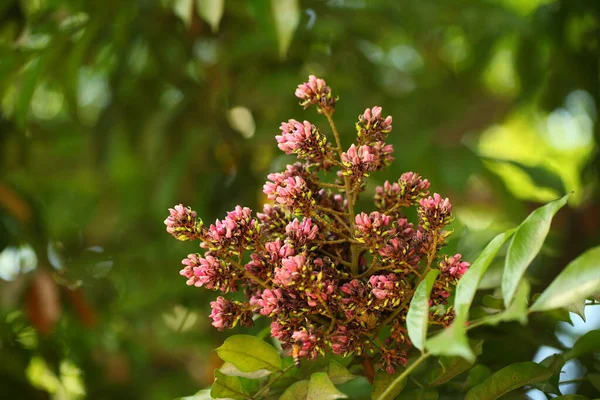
{"x":554,"y":363}
{"x":419,"y":394}
{"x":321,"y":387}
{"x":508,"y":379}
{"x":297,"y":391}
{"x":578,"y":280}
{"x":588,"y":343}
{"x":418,"y":313}
{"x":229,"y":387}
{"x":449,"y":367}
{"x":477,"y":374}
{"x":525,"y":245}
{"x":493,"y":302}
{"x":249,"y":354}
{"x":382,"y":381}
{"x":452,"y":341}
{"x":467,"y":285}
{"x":594,"y":379}
{"x":338,"y":374}
{"x":572,"y":397}
{"x":517,"y":311}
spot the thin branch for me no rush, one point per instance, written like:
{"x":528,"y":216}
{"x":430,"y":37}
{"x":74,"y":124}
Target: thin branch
{"x":265,"y":388}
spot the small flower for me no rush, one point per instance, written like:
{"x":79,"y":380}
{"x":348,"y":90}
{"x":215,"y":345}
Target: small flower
{"x":210,"y":272}
{"x":270,"y":301}
{"x":182,"y":224}
{"x":227,"y":314}
{"x":237,"y":228}
{"x":382,"y":155}
{"x":273,"y":219}
{"x":291,"y":270}
{"x":435,"y":212}
{"x":305,"y":140}
{"x":359,"y":161}
{"x":316,"y":91}
{"x":387,"y":289}
{"x":371,"y":229}
{"x":289,"y":191}
{"x":454,"y":266}
{"x":408,"y":191}
{"x":372,"y":127}
{"x":310,"y":342}
{"x":301,"y":233}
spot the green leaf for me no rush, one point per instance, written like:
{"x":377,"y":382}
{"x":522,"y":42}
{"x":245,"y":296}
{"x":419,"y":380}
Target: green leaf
{"x":383,"y":380}
{"x":477,"y":374}
{"x":321,"y":387}
{"x":419,"y":394}
{"x":467,"y":285}
{"x":577,"y":308}
{"x":287,"y":17}
{"x":525,"y":245}
{"x":452,"y":341}
{"x":249,"y":354}
{"x":418,"y":312}
{"x":338,"y":374}
{"x":229,"y":387}
{"x":493,"y":302}
{"x":541,"y":177}
{"x":517,"y":311}
{"x":588,"y":343}
{"x":554,"y":363}
{"x":449,"y":367}
{"x":231,"y":370}
{"x":579,"y":279}
{"x":201,"y":395}
{"x":572,"y":397}
{"x":297,"y":391}
{"x":508,"y":379}
{"x":211,"y":11}
{"x":594,"y":379}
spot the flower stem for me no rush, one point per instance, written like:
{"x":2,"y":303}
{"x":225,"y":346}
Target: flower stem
{"x":248,"y":274}
{"x":349,"y":195}
{"x":392,"y":386}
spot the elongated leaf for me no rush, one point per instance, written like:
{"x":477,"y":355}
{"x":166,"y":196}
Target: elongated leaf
{"x":526,"y":244}
{"x":508,"y":379}
{"x":594,"y":379}
{"x":588,"y":343}
{"x":321,"y":387}
{"x":249,"y":354}
{"x":287,"y":17}
{"x":229,"y":387}
{"x":449,"y":367}
{"x":517,"y":311}
{"x":580,"y":279}
{"x":418,"y":313}
{"x":338,"y":374}
{"x":467,"y":285}
{"x":297,"y":391}
{"x":419,"y":394}
{"x":477,"y":374}
{"x":231,"y":370}
{"x":577,"y":308}
{"x":383,"y":380}
{"x":211,"y":11}
{"x":452,"y":341}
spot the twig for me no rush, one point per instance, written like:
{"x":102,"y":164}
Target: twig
{"x":392,"y":386}
{"x":265,"y":388}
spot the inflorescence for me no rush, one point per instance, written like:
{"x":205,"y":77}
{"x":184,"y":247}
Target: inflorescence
{"x":329,"y":279}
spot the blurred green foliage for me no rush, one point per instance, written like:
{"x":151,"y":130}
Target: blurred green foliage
{"x":112,"y":111}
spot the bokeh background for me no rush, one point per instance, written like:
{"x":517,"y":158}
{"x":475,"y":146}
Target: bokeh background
{"x":112,"y":111}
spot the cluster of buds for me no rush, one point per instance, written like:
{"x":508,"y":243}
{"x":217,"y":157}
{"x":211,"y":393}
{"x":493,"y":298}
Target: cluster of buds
{"x":329,"y":278}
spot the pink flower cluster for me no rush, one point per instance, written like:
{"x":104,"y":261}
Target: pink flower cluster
{"x":328,"y":276}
